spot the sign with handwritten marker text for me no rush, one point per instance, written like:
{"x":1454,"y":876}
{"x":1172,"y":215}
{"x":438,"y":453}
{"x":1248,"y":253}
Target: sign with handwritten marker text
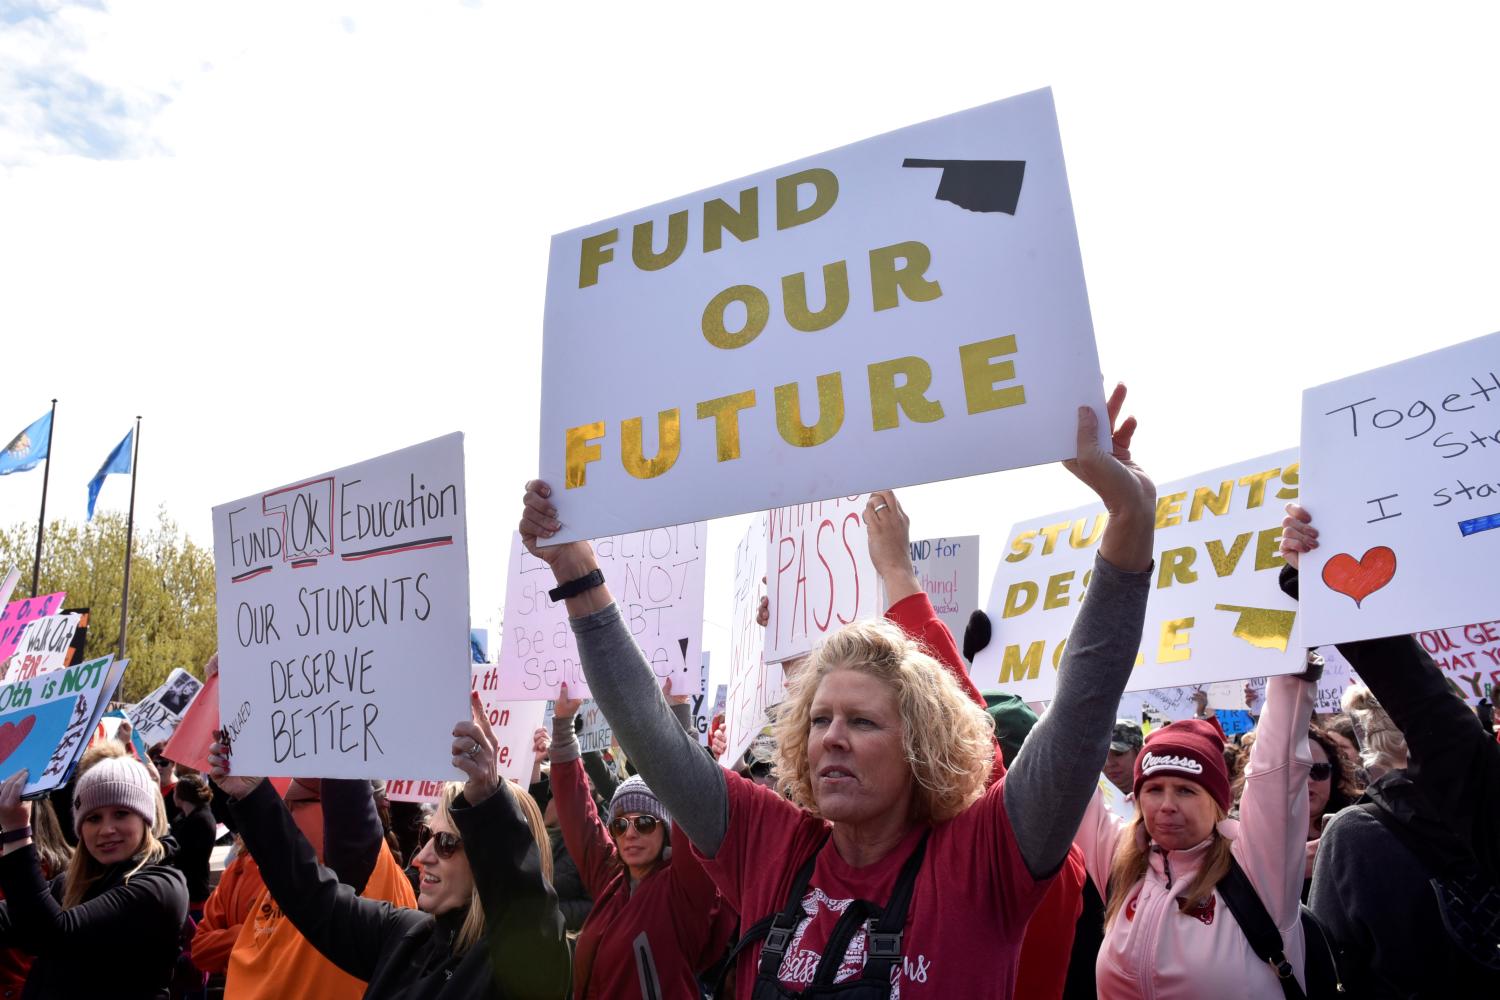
{"x":18,"y":613}
{"x":657,"y":580}
{"x":1469,"y":656}
{"x":917,"y":296}
{"x":44,"y":645}
{"x":46,"y":720}
{"x":343,"y":614}
{"x":948,"y":573}
{"x":754,"y":684}
{"x":1215,"y":611}
{"x":1404,"y":486}
{"x":819,"y":577}
{"x":156,"y":717}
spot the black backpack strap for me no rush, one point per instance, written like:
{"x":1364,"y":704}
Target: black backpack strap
{"x":883,"y":935}
{"x":1265,"y":939}
{"x":776,"y":928}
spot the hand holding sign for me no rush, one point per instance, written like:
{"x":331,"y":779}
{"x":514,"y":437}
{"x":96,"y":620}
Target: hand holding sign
{"x":15,"y":812}
{"x":1297,"y":534}
{"x":565,"y":707}
{"x":889,"y":538}
{"x":474,"y":752}
{"x":1128,"y":493}
{"x":235,"y":786}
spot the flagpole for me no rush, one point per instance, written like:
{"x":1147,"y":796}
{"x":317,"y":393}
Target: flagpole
{"x":41,"y":519}
{"x":129,"y":533}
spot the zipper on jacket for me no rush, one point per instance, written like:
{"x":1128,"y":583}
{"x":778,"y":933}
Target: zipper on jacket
{"x":1166,"y":864}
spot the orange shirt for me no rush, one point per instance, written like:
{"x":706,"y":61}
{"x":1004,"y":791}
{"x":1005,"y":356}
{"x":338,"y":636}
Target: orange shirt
{"x":227,"y":908}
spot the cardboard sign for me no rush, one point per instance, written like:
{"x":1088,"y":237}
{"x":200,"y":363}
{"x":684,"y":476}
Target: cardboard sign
{"x":344,"y":618}
{"x":948,"y":571}
{"x":156,"y":717}
{"x":917,"y":296}
{"x":1405,"y":494}
{"x":754,"y":684}
{"x":1469,"y":657}
{"x":45,"y":644}
{"x":190,"y":740}
{"x":46,"y":721}
{"x":819,"y":576}
{"x":657,"y":580}
{"x":1215,"y":612}
{"x":18,"y":613}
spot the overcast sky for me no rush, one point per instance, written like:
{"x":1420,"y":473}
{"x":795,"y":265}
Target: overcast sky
{"x":296,"y":235}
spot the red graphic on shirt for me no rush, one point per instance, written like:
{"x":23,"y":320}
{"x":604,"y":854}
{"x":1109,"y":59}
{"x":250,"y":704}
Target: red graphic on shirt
{"x":1204,"y":911}
{"x":800,"y":964}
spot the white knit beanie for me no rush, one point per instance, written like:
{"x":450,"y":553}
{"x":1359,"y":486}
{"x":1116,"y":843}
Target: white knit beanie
{"x":115,"y":781}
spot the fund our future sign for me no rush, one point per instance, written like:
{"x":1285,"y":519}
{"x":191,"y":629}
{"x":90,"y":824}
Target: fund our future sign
{"x":1403,"y":480}
{"x":657,"y":580}
{"x":343,"y":618}
{"x":1215,"y":610}
{"x":918,"y":295}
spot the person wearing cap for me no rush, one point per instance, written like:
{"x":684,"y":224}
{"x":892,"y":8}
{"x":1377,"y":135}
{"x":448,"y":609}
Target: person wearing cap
{"x":657,"y":919}
{"x":1168,"y":933}
{"x":110,"y":924}
{"x":1124,"y":746}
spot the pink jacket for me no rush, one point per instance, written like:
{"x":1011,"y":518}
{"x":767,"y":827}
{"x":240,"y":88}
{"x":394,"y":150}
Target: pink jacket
{"x":1154,"y":951}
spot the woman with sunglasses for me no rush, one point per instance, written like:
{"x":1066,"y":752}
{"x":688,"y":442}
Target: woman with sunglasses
{"x":487,"y":923}
{"x":657,"y":919}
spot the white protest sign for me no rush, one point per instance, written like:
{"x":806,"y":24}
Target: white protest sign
{"x":1216,"y":611}
{"x":157,"y":715}
{"x":721,"y":698}
{"x":43,"y":647}
{"x":1403,"y":486}
{"x":917,"y":296}
{"x":1182,"y":702}
{"x":656,"y":578}
{"x":46,"y":720}
{"x":344,"y":619}
{"x":1338,"y":677}
{"x":819,"y":576}
{"x":754,"y":684}
{"x":1469,"y":657}
{"x":405,"y":790}
{"x":948,"y":572}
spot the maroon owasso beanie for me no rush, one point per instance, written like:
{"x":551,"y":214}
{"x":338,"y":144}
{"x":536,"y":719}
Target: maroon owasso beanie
{"x":1192,"y":750}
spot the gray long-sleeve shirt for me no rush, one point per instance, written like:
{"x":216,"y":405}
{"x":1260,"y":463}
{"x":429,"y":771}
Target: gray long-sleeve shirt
{"x":1046,"y":790}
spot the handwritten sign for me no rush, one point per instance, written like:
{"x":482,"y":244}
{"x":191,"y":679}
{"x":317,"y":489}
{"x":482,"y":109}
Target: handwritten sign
{"x":190,"y":740}
{"x":1182,"y":702}
{"x":344,"y":618}
{"x":819,"y":575}
{"x":159,"y":714}
{"x":405,"y":790}
{"x":514,"y":722}
{"x":1469,"y":657}
{"x":46,"y":721}
{"x":948,"y":572}
{"x":657,"y":580}
{"x":1215,"y":612}
{"x":18,"y":613}
{"x":45,"y":644}
{"x":1403,"y":485}
{"x":917,"y":296}
{"x":754,"y":684}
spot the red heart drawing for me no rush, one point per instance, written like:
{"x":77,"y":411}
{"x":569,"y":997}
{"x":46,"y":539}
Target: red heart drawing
{"x":1360,"y":579}
{"x":13,"y":734}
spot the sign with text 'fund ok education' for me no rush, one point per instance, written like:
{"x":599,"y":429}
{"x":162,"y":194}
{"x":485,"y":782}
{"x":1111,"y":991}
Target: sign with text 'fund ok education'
{"x":344,"y":619}
{"x":1403,"y":482}
{"x":1215,"y":613}
{"x":903,"y":310}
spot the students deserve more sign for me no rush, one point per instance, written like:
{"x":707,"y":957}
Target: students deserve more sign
{"x":344,"y":619}
{"x":917,"y":296}
{"x":1403,"y":481}
{"x":1216,"y":611}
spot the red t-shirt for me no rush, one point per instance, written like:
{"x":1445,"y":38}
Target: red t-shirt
{"x":968,"y":911}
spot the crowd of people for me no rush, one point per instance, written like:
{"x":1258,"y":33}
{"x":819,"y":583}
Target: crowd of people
{"x":902,"y":835}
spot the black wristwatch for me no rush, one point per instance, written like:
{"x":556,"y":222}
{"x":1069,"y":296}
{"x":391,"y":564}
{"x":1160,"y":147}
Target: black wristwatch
{"x":573,"y":588}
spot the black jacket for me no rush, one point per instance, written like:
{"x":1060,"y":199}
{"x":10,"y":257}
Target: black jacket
{"x":572,"y":898}
{"x":408,"y":954}
{"x":122,"y":941}
{"x":195,"y":833}
{"x":1369,"y":890}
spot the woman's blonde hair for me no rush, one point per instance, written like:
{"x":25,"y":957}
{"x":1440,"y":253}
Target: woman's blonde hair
{"x":1382,"y":747}
{"x":948,"y":740}
{"x":83,"y":870}
{"x":1134,"y":854}
{"x":473,"y":926}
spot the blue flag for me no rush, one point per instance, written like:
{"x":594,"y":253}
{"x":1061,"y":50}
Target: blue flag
{"x":27,"y":449}
{"x":118,"y":461}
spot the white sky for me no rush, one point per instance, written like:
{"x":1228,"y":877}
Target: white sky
{"x":296,"y":235}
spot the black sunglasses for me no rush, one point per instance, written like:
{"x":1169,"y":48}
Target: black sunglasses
{"x":444,"y":845}
{"x":1321,"y":772}
{"x":643,"y":824}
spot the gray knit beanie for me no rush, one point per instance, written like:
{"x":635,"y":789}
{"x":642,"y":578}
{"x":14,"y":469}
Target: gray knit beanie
{"x":115,"y":781}
{"x":632,"y":796}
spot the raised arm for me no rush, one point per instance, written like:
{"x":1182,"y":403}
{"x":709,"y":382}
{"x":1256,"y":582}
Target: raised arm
{"x":1049,"y":783}
{"x":352,"y":835}
{"x":688,"y":783}
{"x":1272,"y":846}
{"x":589,"y":843}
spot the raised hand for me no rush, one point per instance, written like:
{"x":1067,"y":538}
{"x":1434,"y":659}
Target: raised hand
{"x":541,"y":743}
{"x":888,"y":534}
{"x":674,"y":699}
{"x":1128,"y":493}
{"x":564,"y":707}
{"x":718,"y":741}
{"x":1297,"y":534}
{"x":475,"y":752}
{"x":15,"y":812}
{"x":539,"y":522}
{"x":235,"y":786}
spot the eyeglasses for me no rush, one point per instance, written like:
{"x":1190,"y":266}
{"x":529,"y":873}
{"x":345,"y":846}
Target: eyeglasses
{"x":1321,"y":772}
{"x":444,"y":845}
{"x":643,"y":824}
